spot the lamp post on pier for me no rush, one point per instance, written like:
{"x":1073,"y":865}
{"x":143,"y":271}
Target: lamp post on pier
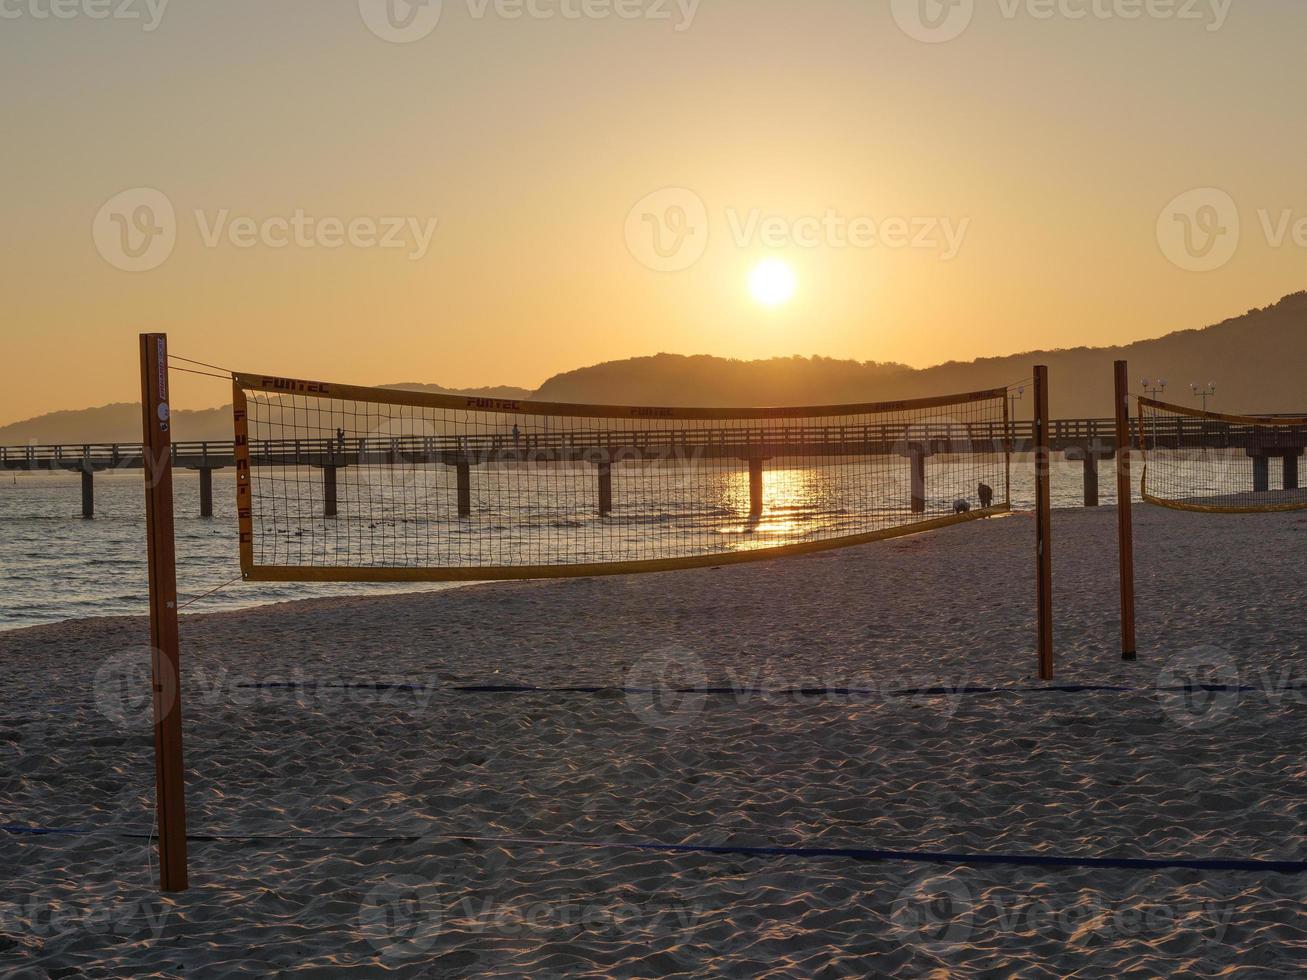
{"x":1015,"y":395}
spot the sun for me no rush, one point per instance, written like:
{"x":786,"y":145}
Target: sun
{"x":772,"y":282}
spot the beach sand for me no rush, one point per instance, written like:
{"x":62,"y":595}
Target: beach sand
{"x":418,"y":769}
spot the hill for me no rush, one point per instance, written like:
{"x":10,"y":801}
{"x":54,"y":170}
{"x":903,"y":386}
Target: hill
{"x":1256,"y":361}
{"x":121,"y":422}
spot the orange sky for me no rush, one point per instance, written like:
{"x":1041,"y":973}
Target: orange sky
{"x":1006,"y":189}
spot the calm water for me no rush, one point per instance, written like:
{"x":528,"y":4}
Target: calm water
{"x":54,"y":565}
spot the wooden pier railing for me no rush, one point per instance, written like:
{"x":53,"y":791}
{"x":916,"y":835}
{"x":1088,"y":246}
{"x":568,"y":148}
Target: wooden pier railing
{"x":1085,"y":440}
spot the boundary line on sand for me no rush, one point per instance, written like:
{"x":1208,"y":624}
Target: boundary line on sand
{"x":853,"y":853}
{"x":760,"y":692}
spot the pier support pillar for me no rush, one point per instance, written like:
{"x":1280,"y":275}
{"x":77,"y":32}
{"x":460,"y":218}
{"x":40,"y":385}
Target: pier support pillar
{"x":206,"y":492}
{"x":1261,"y":473}
{"x":464,"y":488}
{"x":605,"y":489}
{"x":1089,"y":455}
{"x":755,"y":487}
{"x":329,"y":491}
{"x":918,"y":459}
{"x":88,"y":493}
{"x":1090,"y":464}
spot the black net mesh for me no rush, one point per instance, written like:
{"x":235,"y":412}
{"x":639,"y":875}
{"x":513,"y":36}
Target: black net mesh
{"x":358,"y":483}
{"x":1203,"y":461}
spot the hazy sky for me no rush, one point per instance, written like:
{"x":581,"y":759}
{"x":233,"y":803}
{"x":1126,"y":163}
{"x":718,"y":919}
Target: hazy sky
{"x":1014,"y":186}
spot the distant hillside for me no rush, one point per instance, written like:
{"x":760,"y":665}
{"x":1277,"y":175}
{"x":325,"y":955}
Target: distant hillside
{"x":1256,"y":361}
{"x":497,"y":391}
{"x":675,"y":379}
{"x":121,"y":422}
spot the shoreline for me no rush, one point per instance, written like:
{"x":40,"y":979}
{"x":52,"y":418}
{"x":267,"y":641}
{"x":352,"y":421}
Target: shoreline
{"x":381,"y":591}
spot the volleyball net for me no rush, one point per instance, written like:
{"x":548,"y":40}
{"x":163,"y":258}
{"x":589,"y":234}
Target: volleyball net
{"x":345,"y":483}
{"x":1213,"y":463}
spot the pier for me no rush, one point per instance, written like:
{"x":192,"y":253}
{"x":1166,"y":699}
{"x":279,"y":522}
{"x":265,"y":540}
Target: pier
{"x":1091,"y":441}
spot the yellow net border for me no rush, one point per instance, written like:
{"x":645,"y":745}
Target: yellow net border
{"x":335,"y":427}
{"x":1253,"y":422}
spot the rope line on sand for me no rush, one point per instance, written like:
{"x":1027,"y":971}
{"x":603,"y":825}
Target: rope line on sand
{"x":811,"y":692}
{"x":741,"y":850}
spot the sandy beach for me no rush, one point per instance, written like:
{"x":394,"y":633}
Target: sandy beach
{"x":384,"y":782}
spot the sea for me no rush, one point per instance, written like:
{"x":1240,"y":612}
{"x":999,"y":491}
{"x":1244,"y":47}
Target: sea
{"x":56,"y":565}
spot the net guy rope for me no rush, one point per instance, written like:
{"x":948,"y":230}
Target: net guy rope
{"x":340,"y":483}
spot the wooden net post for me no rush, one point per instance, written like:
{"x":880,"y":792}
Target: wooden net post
{"x":1124,"y":517}
{"x":1043,"y":526}
{"x":165,"y":662}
